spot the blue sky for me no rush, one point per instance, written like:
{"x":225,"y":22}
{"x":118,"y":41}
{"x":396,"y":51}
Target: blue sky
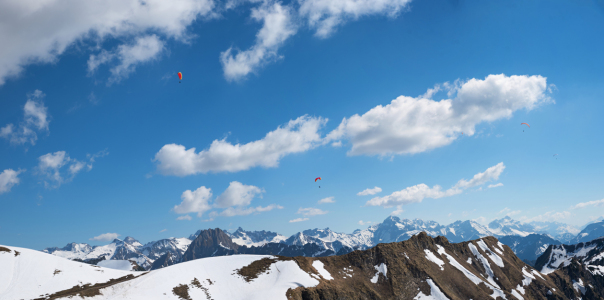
{"x":109,"y":130}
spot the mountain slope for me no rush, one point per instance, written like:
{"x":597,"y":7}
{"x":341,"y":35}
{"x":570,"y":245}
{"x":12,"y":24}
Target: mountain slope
{"x":591,"y":254}
{"x":530,"y":247}
{"x":29,"y":274}
{"x":590,"y":232}
{"x":418,"y":268}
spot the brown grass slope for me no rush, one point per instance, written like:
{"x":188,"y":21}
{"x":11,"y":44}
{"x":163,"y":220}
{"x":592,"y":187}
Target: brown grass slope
{"x":408,"y":269}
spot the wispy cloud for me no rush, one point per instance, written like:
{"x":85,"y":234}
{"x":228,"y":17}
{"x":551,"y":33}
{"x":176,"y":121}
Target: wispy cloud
{"x":372,"y":191}
{"x":495,"y":185}
{"x":417,"y":193}
{"x":311,"y":211}
{"x":298,"y":220}
{"x":9,"y":178}
{"x":327,"y":200}
{"x":105,"y":237}
{"x":51,"y":167}
{"x":35,"y":119}
{"x":589,"y":203}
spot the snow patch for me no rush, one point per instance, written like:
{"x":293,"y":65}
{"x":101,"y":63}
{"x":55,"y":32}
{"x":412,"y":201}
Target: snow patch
{"x":380,"y":269}
{"x":435,"y":293}
{"x":124,"y":265}
{"x":317,"y":264}
{"x":431,"y":257}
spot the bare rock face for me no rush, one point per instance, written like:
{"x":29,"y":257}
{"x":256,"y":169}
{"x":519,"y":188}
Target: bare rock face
{"x":425,"y":266}
{"x":210,"y":242}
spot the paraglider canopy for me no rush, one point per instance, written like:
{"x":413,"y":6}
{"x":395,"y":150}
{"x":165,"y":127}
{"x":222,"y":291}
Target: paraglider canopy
{"x":179,"y":77}
{"x":318,"y":178}
{"x":525,"y":124}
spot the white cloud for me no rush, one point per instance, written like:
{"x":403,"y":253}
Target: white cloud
{"x":40,"y":31}
{"x":412,"y":125}
{"x":50,"y":166}
{"x":490,"y":174}
{"x":310,"y":211}
{"x":509,"y":212}
{"x":194,"y":202}
{"x":481,"y":220}
{"x":399,"y":210}
{"x":364,"y":223}
{"x":277,"y":28}
{"x":235,"y":200}
{"x":326,"y":15}
{"x":296,"y":136}
{"x":412,"y":194}
{"x":589,"y":203}
{"x":327,"y":200}
{"x":238,"y":211}
{"x":298,"y":220}
{"x":35,"y":118}
{"x":549,"y":216}
{"x":495,"y":185}
{"x":417,"y":193}
{"x":238,"y":194}
{"x":372,"y":191}
{"x":143,"y":49}
{"x":105,"y":237}
{"x":163,"y":230}
{"x":8,"y":178}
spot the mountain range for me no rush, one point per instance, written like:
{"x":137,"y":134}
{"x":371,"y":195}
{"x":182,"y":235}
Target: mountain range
{"x":419,"y":268}
{"x":527,"y":240}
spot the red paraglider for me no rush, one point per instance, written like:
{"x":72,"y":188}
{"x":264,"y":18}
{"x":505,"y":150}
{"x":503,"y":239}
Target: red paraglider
{"x":318,"y":178}
{"x":525,"y":124}
{"x":179,"y":77}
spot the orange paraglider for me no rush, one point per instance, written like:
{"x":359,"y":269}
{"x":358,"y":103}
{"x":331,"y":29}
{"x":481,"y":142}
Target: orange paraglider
{"x":318,"y":178}
{"x":179,"y":77}
{"x":525,"y":124}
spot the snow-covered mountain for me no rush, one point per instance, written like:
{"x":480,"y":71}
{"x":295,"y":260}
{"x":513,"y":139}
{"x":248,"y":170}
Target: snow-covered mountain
{"x":560,"y":231}
{"x":420,"y":268}
{"x":508,"y":226}
{"x":254,"y":238}
{"x":591,"y":232}
{"x":590,"y":254}
{"x":127,"y":249}
{"x":530,"y":247}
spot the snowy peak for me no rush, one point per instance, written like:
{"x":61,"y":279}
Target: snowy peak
{"x":591,"y":232}
{"x":590,"y":254}
{"x":255,"y":238}
{"x":508,"y":226}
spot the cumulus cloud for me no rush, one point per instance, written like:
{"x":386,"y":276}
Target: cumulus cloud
{"x":417,"y":193}
{"x":310,"y":211}
{"x":8,"y":178}
{"x":194,"y":202}
{"x":143,"y":49}
{"x":326,"y":15}
{"x":412,"y":125}
{"x":105,"y":237}
{"x":589,"y":203}
{"x":51,"y":167}
{"x":327,"y":200}
{"x":298,"y":220}
{"x":372,"y":191}
{"x":35,"y":119}
{"x":40,"y":31}
{"x":238,"y":194}
{"x":364,"y":223}
{"x":495,"y":185}
{"x":277,"y":27}
{"x":297,"y":136}
{"x":234,"y":201}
